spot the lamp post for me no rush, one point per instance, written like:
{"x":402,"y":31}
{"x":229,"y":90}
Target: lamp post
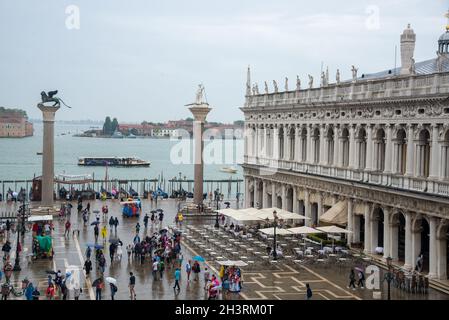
{"x":217,"y":224}
{"x":389,"y":277}
{"x":21,"y":221}
{"x":275,"y":254}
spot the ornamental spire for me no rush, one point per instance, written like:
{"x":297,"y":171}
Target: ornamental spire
{"x":248,"y":82}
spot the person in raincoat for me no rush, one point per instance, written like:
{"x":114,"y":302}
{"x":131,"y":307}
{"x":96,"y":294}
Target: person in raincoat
{"x":104,"y":233}
{"x":29,"y":291}
{"x":221,"y":273}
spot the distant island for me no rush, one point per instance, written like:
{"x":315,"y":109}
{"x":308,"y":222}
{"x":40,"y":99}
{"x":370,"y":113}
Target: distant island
{"x":172,"y":128}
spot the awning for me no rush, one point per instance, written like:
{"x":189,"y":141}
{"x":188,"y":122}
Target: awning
{"x":333,"y":229}
{"x":282,"y":214}
{"x":338,"y":214}
{"x":304,"y":230}
{"x":40,"y":218}
{"x":279,"y":231}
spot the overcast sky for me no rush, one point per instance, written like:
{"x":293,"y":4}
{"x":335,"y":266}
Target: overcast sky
{"x":142,"y":60}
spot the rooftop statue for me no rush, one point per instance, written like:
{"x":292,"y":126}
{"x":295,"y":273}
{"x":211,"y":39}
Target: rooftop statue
{"x":275,"y":86}
{"x":337,"y":76}
{"x":412,"y":66}
{"x":286,"y":84}
{"x":310,"y":82}
{"x":50,"y":97}
{"x":266,"y":87}
{"x":298,"y":83}
{"x":354,"y":73}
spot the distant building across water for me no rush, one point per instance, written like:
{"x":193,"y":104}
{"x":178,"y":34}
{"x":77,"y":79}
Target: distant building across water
{"x":14,"y":124}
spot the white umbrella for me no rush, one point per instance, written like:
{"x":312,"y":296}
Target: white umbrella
{"x":239,"y":263}
{"x":225,"y":263}
{"x":111,"y":280}
{"x":304,"y":230}
{"x":333,"y":229}
{"x":279,"y":231}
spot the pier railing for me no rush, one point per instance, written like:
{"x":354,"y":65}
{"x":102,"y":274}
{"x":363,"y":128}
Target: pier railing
{"x":230,"y":188}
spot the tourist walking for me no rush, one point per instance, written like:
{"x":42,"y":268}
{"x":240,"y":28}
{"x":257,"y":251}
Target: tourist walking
{"x":67,"y":228}
{"x":352,"y":279}
{"x":137,"y":228}
{"x":177,"y":278}
{"x":111,"y":223}
{"x":88,"y":252}
{"x":115,"y":224}
{"x":152,"y":217}
{"x":161,"y":217}
{"x":361,"y":282}
{"x":114,"y":290}
{"x":119,"y":251}
{"x":132,"y":283}
{"x":206,"y":277}
{"x":96,"y":232}
{"x":88,"y":207}
{"x":145,"y":221}
{"x":161,"y":268}
{"x":85,"y":218}
{"x":308,"y":292}
{"x":104,"y":233}
{"x":188,"y":269}
{"x":129,"y":250}
{"x":112,"y":248}
{"x":99,"y":285}
{"x":196,"y":270}
{"x":155,"y":268}
{"x":6,"y":249}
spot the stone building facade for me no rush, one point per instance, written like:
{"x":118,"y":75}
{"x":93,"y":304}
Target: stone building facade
{"x":370,"y":154}
{"x":14,"y":124}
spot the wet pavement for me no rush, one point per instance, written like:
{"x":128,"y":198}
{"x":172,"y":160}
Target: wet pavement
{"x":262,"y":279}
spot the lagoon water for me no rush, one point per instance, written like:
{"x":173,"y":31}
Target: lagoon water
{"x":19,"y":161}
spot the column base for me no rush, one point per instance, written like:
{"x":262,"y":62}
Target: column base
{"x":432,"y":276}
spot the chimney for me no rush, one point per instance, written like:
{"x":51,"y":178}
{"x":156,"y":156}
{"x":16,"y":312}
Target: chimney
{"x":408,"y":38}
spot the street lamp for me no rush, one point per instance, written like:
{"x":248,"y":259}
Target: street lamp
{"x":21,"y":216}
{"x":389,"y":276}
{"x":217,"y":224}
{"x":275,"y":254}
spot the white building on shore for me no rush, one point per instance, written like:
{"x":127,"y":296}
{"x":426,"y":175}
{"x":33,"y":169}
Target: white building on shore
{"x":370,"y":154}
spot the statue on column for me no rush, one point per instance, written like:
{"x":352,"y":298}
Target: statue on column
{"x":50,"y":96}
{"x":354,"y":73}
{"x":298,"y":83}
{"x":200,"y":94}
{"x":337,"y":76}
{"x":286,"y":84}
{"x":276,"y":89}
{"x":266,"y":87}
{"x":310,"y":81}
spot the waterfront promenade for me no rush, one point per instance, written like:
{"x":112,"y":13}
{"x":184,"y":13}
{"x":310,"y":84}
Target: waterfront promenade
{"x":261,"y":281}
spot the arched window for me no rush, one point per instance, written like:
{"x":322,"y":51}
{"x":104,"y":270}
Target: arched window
{"x":345,"y":147}
{"x":330,"y":146}
{"x":292,"y":136}
{"x":361,"y":149}
{"x":423,"y":154}
{"x":316,"y":145}
{"x":445,"y":155}
{"x":400,"y":152}
{"x":304,"y":144}
{"x":281,"y":143}
{"x":379,"y":150}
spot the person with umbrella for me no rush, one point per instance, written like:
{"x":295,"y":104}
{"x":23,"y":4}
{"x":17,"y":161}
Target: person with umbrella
{"x":113,"y":286}
{"x":145,"y":220}
{"x":96,"y":232}
{"x":99,"y":285}
{"x":196,"y":270}
{"x":88,"y":266}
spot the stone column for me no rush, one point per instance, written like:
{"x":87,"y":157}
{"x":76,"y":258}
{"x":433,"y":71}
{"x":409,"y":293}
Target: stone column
{"x":284,"y":197}
{"x":388,"y":149}
{"x":408,"y":265}
{"x":386,"y":232}
{"x":256,"y":194}
{"x":273,"y":195}
{"x":432,"y":248}
{"x":367,"y":240}
{"x":286,"y":143}
{"x":309,"y":145}
{"x":435,"y":154}
{"x":298,"y":144}
{"x":369,"y":147}
{"x":394,"y":230}
{"x":199,"y":111}
{"x":264,"y":195}
{"x":416,"y":242}
{"x":336,"y":146}
{"x":246,"y":141}
{"x":442,"y":257}
{"x":48,"y":155}
{"x":265,"y":145}
{"x":322,"y":141}
{"x":247,"y":199}
{"x":410,"y":154}
{"x":319,"y":206}
{"x":351,"y":147}
{"x":350,"y":222}
{"x":356,"y":227}
{"x":295,"y":200}
{"x":275,"y":154}
{"x":307,"y":211}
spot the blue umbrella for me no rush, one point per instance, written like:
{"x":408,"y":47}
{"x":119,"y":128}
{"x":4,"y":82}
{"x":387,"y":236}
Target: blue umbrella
{"x":198,"y":258}
{"x":96,"y":246}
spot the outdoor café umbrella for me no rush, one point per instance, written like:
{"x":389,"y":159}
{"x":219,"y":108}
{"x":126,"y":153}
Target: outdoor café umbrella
{"x":198,"y":258}
{"x":111,"y":280}
{"x":333,"y":230}
{"x":279,"y":231}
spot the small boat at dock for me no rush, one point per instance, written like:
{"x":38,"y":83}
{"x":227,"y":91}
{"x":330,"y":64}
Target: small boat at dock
{"x":113,"y":162}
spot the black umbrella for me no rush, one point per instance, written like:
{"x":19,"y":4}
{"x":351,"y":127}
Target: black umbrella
{"x":50,"y":272}
{"x":115,"y":241}
{"x":153,"y":211}
{"x":163,"y":231}
{"x":95,"y":283}
{"x":159,"y":210}
{"x":94,"y":223}
{"x":227,"y":203}
{"x":96,"y":211}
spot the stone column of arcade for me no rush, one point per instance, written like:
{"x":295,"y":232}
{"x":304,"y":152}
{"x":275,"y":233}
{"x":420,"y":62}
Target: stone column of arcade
{"x":199,"y":109}
{"x":47,"y":202}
